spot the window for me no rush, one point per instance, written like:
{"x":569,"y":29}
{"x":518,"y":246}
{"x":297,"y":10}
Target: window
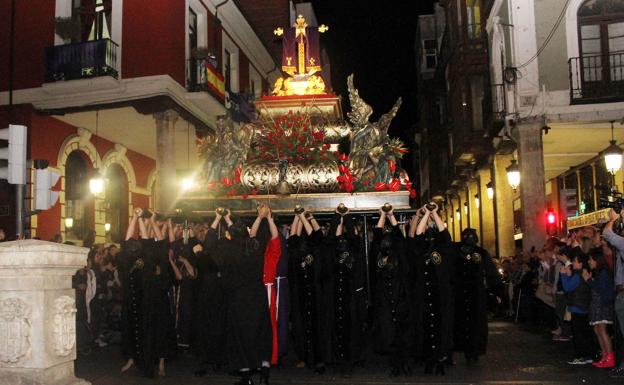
{"x":192,"y":42}
{"x":93,"y":18}
{"x":601,"y":40}
{"x":227,"y":68}
{"x":117,"y":202}
{"x":77,"y":198}
{"x":476,"y":101}
{"x":587,"y":189}
{"x":430,"y":53}
{"x":473,"y":15}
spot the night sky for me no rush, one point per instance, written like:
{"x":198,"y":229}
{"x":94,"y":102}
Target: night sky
{"x":375,"y":41}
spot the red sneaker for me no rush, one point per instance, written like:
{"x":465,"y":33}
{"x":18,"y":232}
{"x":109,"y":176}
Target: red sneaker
{"x":607,"y":362}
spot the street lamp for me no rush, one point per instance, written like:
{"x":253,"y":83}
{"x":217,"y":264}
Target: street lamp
{"x":513,"y":175}
{"x":457,"y":214}
{"x":107,"y":227}
{"x":466,"y":208}
{"x":477,"y":201}
{"x":613,"y":155}
{"x":489,"y":189}
{"x":187,"y":184}
{"x":69,"y":222}
{"x":96,"y":183}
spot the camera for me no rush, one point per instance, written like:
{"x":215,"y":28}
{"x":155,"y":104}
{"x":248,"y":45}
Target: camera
{"x":610,"y":198}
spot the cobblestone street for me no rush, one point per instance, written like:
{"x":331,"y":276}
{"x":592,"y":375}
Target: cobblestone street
{"x":514,"y":357}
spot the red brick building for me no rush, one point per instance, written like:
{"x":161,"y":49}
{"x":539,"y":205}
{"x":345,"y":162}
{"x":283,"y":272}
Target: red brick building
{"x":124,"y":87}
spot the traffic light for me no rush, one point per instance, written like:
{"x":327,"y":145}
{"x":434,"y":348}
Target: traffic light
{"x":551,"y":222}
{"x":15,"y":154}
{"x":45,"y":180}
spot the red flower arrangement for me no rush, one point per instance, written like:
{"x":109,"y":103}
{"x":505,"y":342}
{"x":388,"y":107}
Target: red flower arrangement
{"x":348,"y":183}
{"x":291,"y":137}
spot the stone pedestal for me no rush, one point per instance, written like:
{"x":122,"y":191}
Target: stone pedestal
{"x":38,"y":313}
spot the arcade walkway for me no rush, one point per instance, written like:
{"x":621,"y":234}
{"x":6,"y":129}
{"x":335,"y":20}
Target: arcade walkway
{"x":515,"y":357}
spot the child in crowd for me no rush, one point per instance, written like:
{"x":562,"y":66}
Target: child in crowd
{"x":601,"y":309}
{"x":579,"y":297}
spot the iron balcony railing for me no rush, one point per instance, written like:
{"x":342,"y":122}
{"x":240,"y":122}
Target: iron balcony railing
{"x":81,"y":60}
{"x":596,"y":78}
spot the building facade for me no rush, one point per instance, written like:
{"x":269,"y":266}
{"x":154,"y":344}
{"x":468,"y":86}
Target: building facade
{"x":124,"y":88}
{"x":537,"y":83}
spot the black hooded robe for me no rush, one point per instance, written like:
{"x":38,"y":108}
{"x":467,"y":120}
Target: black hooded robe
{"x":434,"y":262}
{"x":307,"y":313}
{"x":393,"y":323}
{"x":147,"y":321}
{"x":474,"y":274}
{"x":344,"y":294}
{"x":210,"y":304}
{"x":247,"y":322}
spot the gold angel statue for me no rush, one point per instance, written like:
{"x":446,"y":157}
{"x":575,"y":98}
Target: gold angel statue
{"x":370,"y":149}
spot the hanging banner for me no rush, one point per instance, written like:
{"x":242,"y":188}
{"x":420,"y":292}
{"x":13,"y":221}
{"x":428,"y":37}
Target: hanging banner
{"x":600,"y":216}
{"x":215,"y":80}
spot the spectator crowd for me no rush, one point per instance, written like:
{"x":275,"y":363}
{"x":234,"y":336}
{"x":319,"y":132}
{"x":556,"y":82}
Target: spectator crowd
{"x":572,"y":286}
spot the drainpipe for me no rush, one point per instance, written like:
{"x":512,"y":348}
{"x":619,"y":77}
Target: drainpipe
{"x":218,"y":6}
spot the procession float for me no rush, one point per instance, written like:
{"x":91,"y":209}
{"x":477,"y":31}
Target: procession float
{"x":299,"y":149}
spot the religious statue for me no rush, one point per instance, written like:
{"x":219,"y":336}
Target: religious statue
{"x":300,"y":60}
{"x":370,"y":143}
{"x":227,"y":150}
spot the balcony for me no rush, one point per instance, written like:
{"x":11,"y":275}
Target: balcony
{"x":203,"y":76}
{"x":81,"y":60}
{"x":596,"y":79}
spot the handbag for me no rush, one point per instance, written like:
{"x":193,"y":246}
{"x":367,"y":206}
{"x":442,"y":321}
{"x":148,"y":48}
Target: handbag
{"x":544,"y":294}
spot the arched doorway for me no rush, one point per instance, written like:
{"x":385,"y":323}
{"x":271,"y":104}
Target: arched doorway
{"x":78,"y":201}
{"x":116,"y":202}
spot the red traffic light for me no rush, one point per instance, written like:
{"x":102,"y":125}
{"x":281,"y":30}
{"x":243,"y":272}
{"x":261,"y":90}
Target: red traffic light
{"x":551,"y":218}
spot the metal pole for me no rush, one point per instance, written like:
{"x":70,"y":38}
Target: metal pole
{"x":19,"y":189}
{"x":368,"y":289}
{"x":19,"y":210}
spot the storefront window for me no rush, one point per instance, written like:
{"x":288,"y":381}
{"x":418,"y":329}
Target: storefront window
{"x":571,"y":183}
{"x":587,"y":190}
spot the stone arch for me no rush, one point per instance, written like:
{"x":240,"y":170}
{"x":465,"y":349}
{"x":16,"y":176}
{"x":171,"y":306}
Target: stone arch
{"x":571,"y":21}
{"x":118,"y":157}
{"x":77,"y":142}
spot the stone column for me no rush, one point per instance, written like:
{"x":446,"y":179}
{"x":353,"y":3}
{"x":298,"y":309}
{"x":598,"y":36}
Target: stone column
{"x":458,"y":222}
{"x":503,"y":199}
{"x":38,"y":312}
{"x":475,"y":221}
{"x":532,"y":185}
{"x":488,"y":240}
{"x":165,"y":159}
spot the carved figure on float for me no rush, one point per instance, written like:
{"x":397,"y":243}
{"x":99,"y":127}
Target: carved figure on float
{"x":226,"y":150}
{"x":370,"y":143}
{"x":14,"y":330}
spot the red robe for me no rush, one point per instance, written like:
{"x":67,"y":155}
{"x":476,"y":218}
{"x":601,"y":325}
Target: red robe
{"x":271,"y":258}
